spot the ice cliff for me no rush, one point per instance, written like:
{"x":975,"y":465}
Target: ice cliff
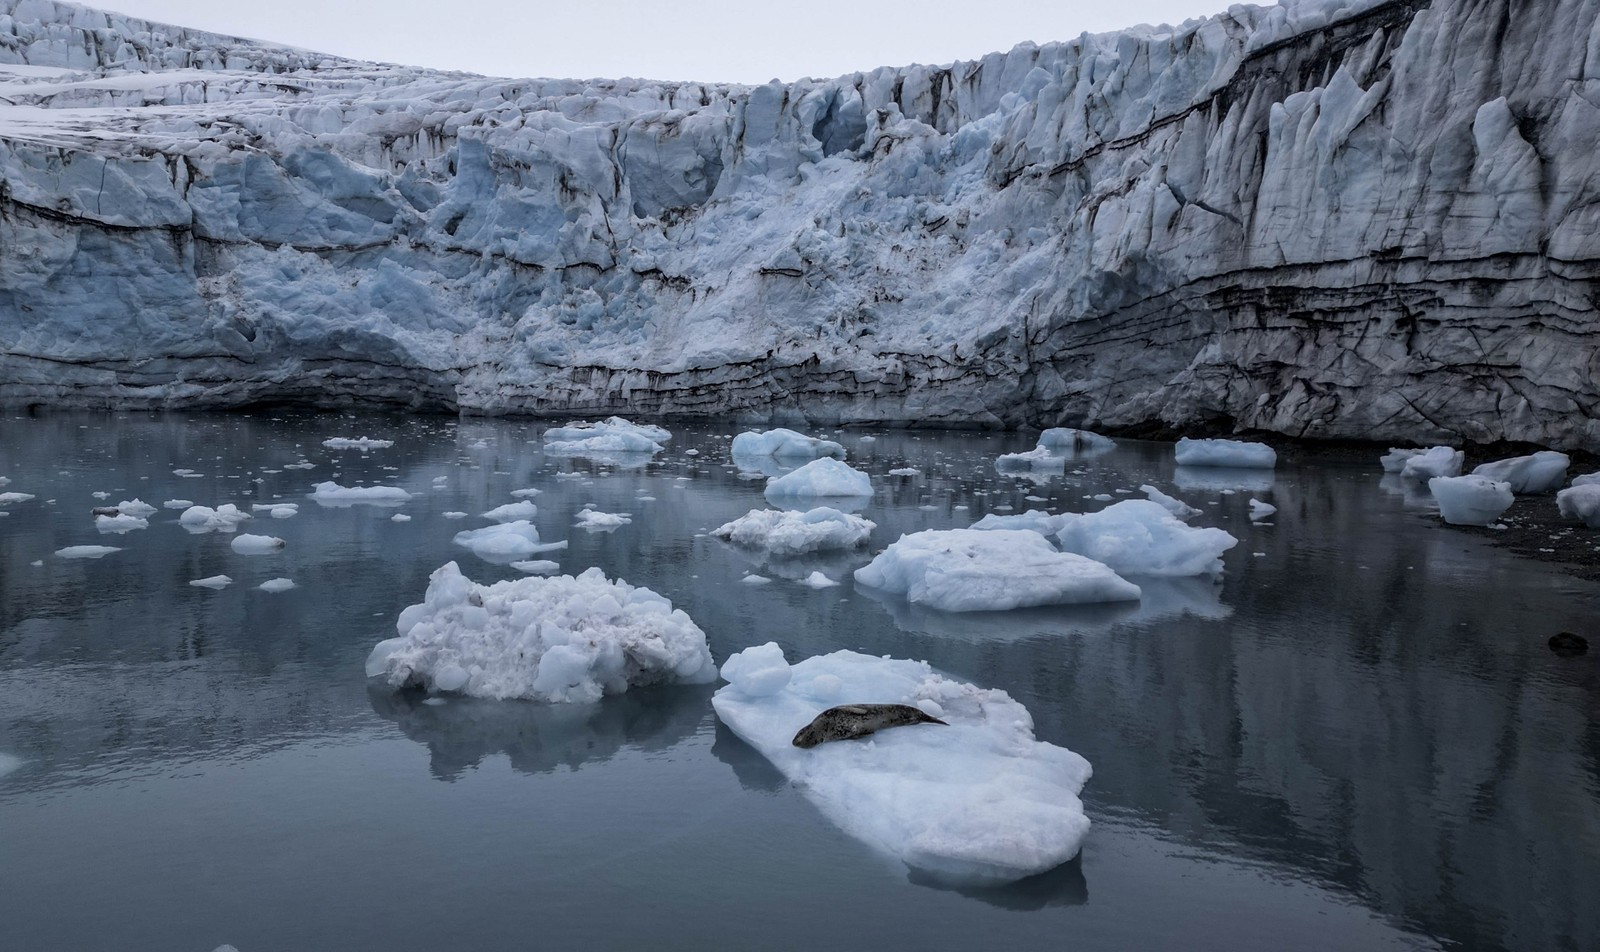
{"x":1376,"y":219}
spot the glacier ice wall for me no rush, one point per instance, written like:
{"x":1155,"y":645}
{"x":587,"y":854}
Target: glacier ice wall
{"x":1372,"y":219}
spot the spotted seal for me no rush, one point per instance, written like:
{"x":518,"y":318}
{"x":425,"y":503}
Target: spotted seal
{"x":852,"y":721}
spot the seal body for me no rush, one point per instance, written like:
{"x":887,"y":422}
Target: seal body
{"x":852,"y":721}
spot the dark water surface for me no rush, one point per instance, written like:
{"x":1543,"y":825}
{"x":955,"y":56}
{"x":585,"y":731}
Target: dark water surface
{"x":1358,"y":741}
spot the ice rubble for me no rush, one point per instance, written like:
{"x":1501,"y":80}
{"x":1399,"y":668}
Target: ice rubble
{"x":1527,"y":475}
{"x":1471,"y":500}
{"x":1435,"y":461}
{"x":820,"y":477}
{"x":1581,"y":502}
{"x":1140,"y":537}
{"x":120,"y":523}
{"x":784,"y":444}
{"x":612,"y":435}
{"x":332,"y":494}
{"x":549,"y":639}
{"x":1231,"y":454}
{"x":86,"y":551}
{"x":965,"y":570}
{"x":787,"y":533}
{"x":979,"y":800}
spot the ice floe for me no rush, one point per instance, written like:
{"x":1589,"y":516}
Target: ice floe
{"x":1528,"y":475}
{"x":1437,"y":461}
{"x":601,"y":521}
{"x":512,"y":511}
{"x":8,"y":499}
{"x":550,"y":639}
{"x":1581,"y":502}
{"x":1140,"y":537}
{"x":360,"y":443}
{"x":332,"y":494}
{"x":247,"y":544}
{"x":784,"y":444}
{"x":1177,"y":507}
{"x":1232,"y":454}
{"x":503,"y":542}
{"x":216,"y":582}
{"x":86,"y":551}
{"x":224,"y":518}
{"x":612,"y":435}
{"x":1471,"y":500}
{"x":277,"y":585}
{"x":787,"y":533}
{"x":1066,"y":438}
{"x":966,"y":570}
{"x":820,"y":477}
{"x":120,"y":523}
{"x":1034,"y":520}
{"x":979,"y":800}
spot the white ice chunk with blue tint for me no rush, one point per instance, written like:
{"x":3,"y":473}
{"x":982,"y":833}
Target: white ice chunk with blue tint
{"x":1394,"y":461}
{"x":224,"y":518}
{"x":1074,"y":440}
{"x":1140,"y":537}
{"x":86,"y":551}
{"x":526,"y":493}
{"x":277,"y":510}
{"x":177,"y":504}
{"x":971,"y":570}
{"x":787,"y":533}
{"x":1260,"y":510}
{"x":247,"y":544}
{"x":512,"y":511}
{"x":1529,"y":475}
{"x":784,"y":444}
{"x":1177,"y":507}
{"x":1034,"y":520}
{"x":1580,"y":502}
{"x":612,"y":435}
{"x":547,"y":639}
{"x":215,"y":582}
{"x":1471,"y":500}
{"x":277,"y":585}
{"x":137,"y":508}
{"x":1039,"y":458}
{"x":818,"y":580}
{"x":501,"y":543}
{"x":1233,"y":454}
{"x":1588,"y":479}
{"x":332,"y":494}
{"x":9,"y":499}
{"x":1437,"y":461}
{"x":120,"y":523}
{"x":598,"y":521}
{"x":360,"y":443}
{"x":537,"y":567}
{"x":820,"y":477}
{"x":978,"y":800}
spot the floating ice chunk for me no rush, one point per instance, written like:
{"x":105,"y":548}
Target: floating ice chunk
{"x":787,"y":533}
{"x":905,"y":471}
{"x":399,"y":517}
{"x":1527,"y":475}
{"x":977,"y":801}
{"x":1438,"y":461}
{"x":592,"y":520}
{"x":1260,"y":510}
{"x":1580,"y":502}
{"x":501,"y":543}
{"x":86,"y":551}
{"x":332,"y":494}
{"x":454,"y":515}
{"x":1034,"y":520}
{"x":1140,"y":537}
{"x":537,"y":567}
{"x":1230,"y":453}
{"x":867,"y":439}
{"x":1177,"y":507}
{"x":255,"y":544}
{"x":277,"y":510}
{"x":820,"y":477}
{"x":217,"y":582}
{"x":277,"y":585}
{"x":512,"y":511}
{"x":550,"y":639}
{"x":786,"y":444}
{"x":526,"y":493}
{"x":754,"y":579}
{"x":7,"y":499}
{"x":818,"y":580}
{"x":360,"y":443}
{"x":1039,"y":458}
{"x":1395,"y":460}
{"x":136,"y":507}
{"x":612,"y":435}
{"x":966,"y":570}
{"x":177,"y":504}
{"x":101,"y":495}
{"x":1067,"y":438}
{"x":1471,"y":500}
{"x":1589,"y":479}
{"x":224,"y":518}
{"x":120,"y":523}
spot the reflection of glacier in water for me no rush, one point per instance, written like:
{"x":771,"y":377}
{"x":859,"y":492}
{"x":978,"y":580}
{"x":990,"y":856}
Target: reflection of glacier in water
{"x":460,"y":732}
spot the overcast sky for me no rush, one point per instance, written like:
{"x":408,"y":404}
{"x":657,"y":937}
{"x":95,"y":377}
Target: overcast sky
{"x":745,"y":41}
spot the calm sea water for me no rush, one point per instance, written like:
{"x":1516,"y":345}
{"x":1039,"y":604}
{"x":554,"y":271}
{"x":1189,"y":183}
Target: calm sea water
{"x":1357,"y":741}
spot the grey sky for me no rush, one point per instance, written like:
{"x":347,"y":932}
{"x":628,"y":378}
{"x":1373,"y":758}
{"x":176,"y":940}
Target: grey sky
{"x":712,"y":40}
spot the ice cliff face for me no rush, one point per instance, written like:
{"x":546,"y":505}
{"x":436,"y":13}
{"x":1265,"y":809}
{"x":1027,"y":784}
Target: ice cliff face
{"x":1371,"y":219}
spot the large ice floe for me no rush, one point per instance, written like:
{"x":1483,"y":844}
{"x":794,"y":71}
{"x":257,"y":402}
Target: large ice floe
{"x":978,"y":800}
{"x":564,"y":638}
{"x":1541,"y":472}
{"x":783,"y":444}
{"x":612,"y":435}
{"x":1582,"y":503}
{"x":820,"y":477}
{"x":1231,"y":454}
{"x":1471,"y":500}
{"x":1140,"y":537}
{"x":970,"y":570}
{"x":784,"y":533}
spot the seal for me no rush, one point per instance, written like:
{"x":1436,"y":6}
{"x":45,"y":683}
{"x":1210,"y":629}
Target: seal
{"x":853,"y":721}
{"x":105,"y":511}
{"x":1568,"y":645}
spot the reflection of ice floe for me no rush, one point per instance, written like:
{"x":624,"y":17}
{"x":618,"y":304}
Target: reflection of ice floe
{"x":764,"y":465}
{"x":1062,"y":886}
{"x":539,"y":738}
{"x":1413,"y":495}
{"x":1223,"y":477}
{"x":614,"y":459}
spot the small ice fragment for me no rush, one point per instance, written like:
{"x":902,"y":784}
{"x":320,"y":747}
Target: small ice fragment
{"x":399,"y":517}
{"x":217,"y":582}
{"x":247,"y":544}
{"x":86,"y":551}
{"x":537,"y":567}
{"x":1260,"y":510}
{"x":818,"y":580}
{"x":277,"y":585}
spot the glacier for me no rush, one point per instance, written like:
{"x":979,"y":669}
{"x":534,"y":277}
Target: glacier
{"x":1371,"y":219}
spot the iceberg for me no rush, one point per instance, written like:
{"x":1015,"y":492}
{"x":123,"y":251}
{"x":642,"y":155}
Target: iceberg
{"x":979,"y":800}
{"x":1528,"y":475}
{"x":1140,"y":537}
{"x":562,"y":639}
{"x":820,"y":477}
{"x":1230,"y":454}
{"x":970,"y":570}
{"x":784,"y":533}
{"x":1471,"y":500}
{"x":784,"y":444}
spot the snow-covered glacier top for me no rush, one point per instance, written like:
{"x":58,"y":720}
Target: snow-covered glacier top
{"x":1344,"y":218}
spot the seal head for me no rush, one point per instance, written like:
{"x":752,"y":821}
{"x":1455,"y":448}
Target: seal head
{"x":853,"y":721}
